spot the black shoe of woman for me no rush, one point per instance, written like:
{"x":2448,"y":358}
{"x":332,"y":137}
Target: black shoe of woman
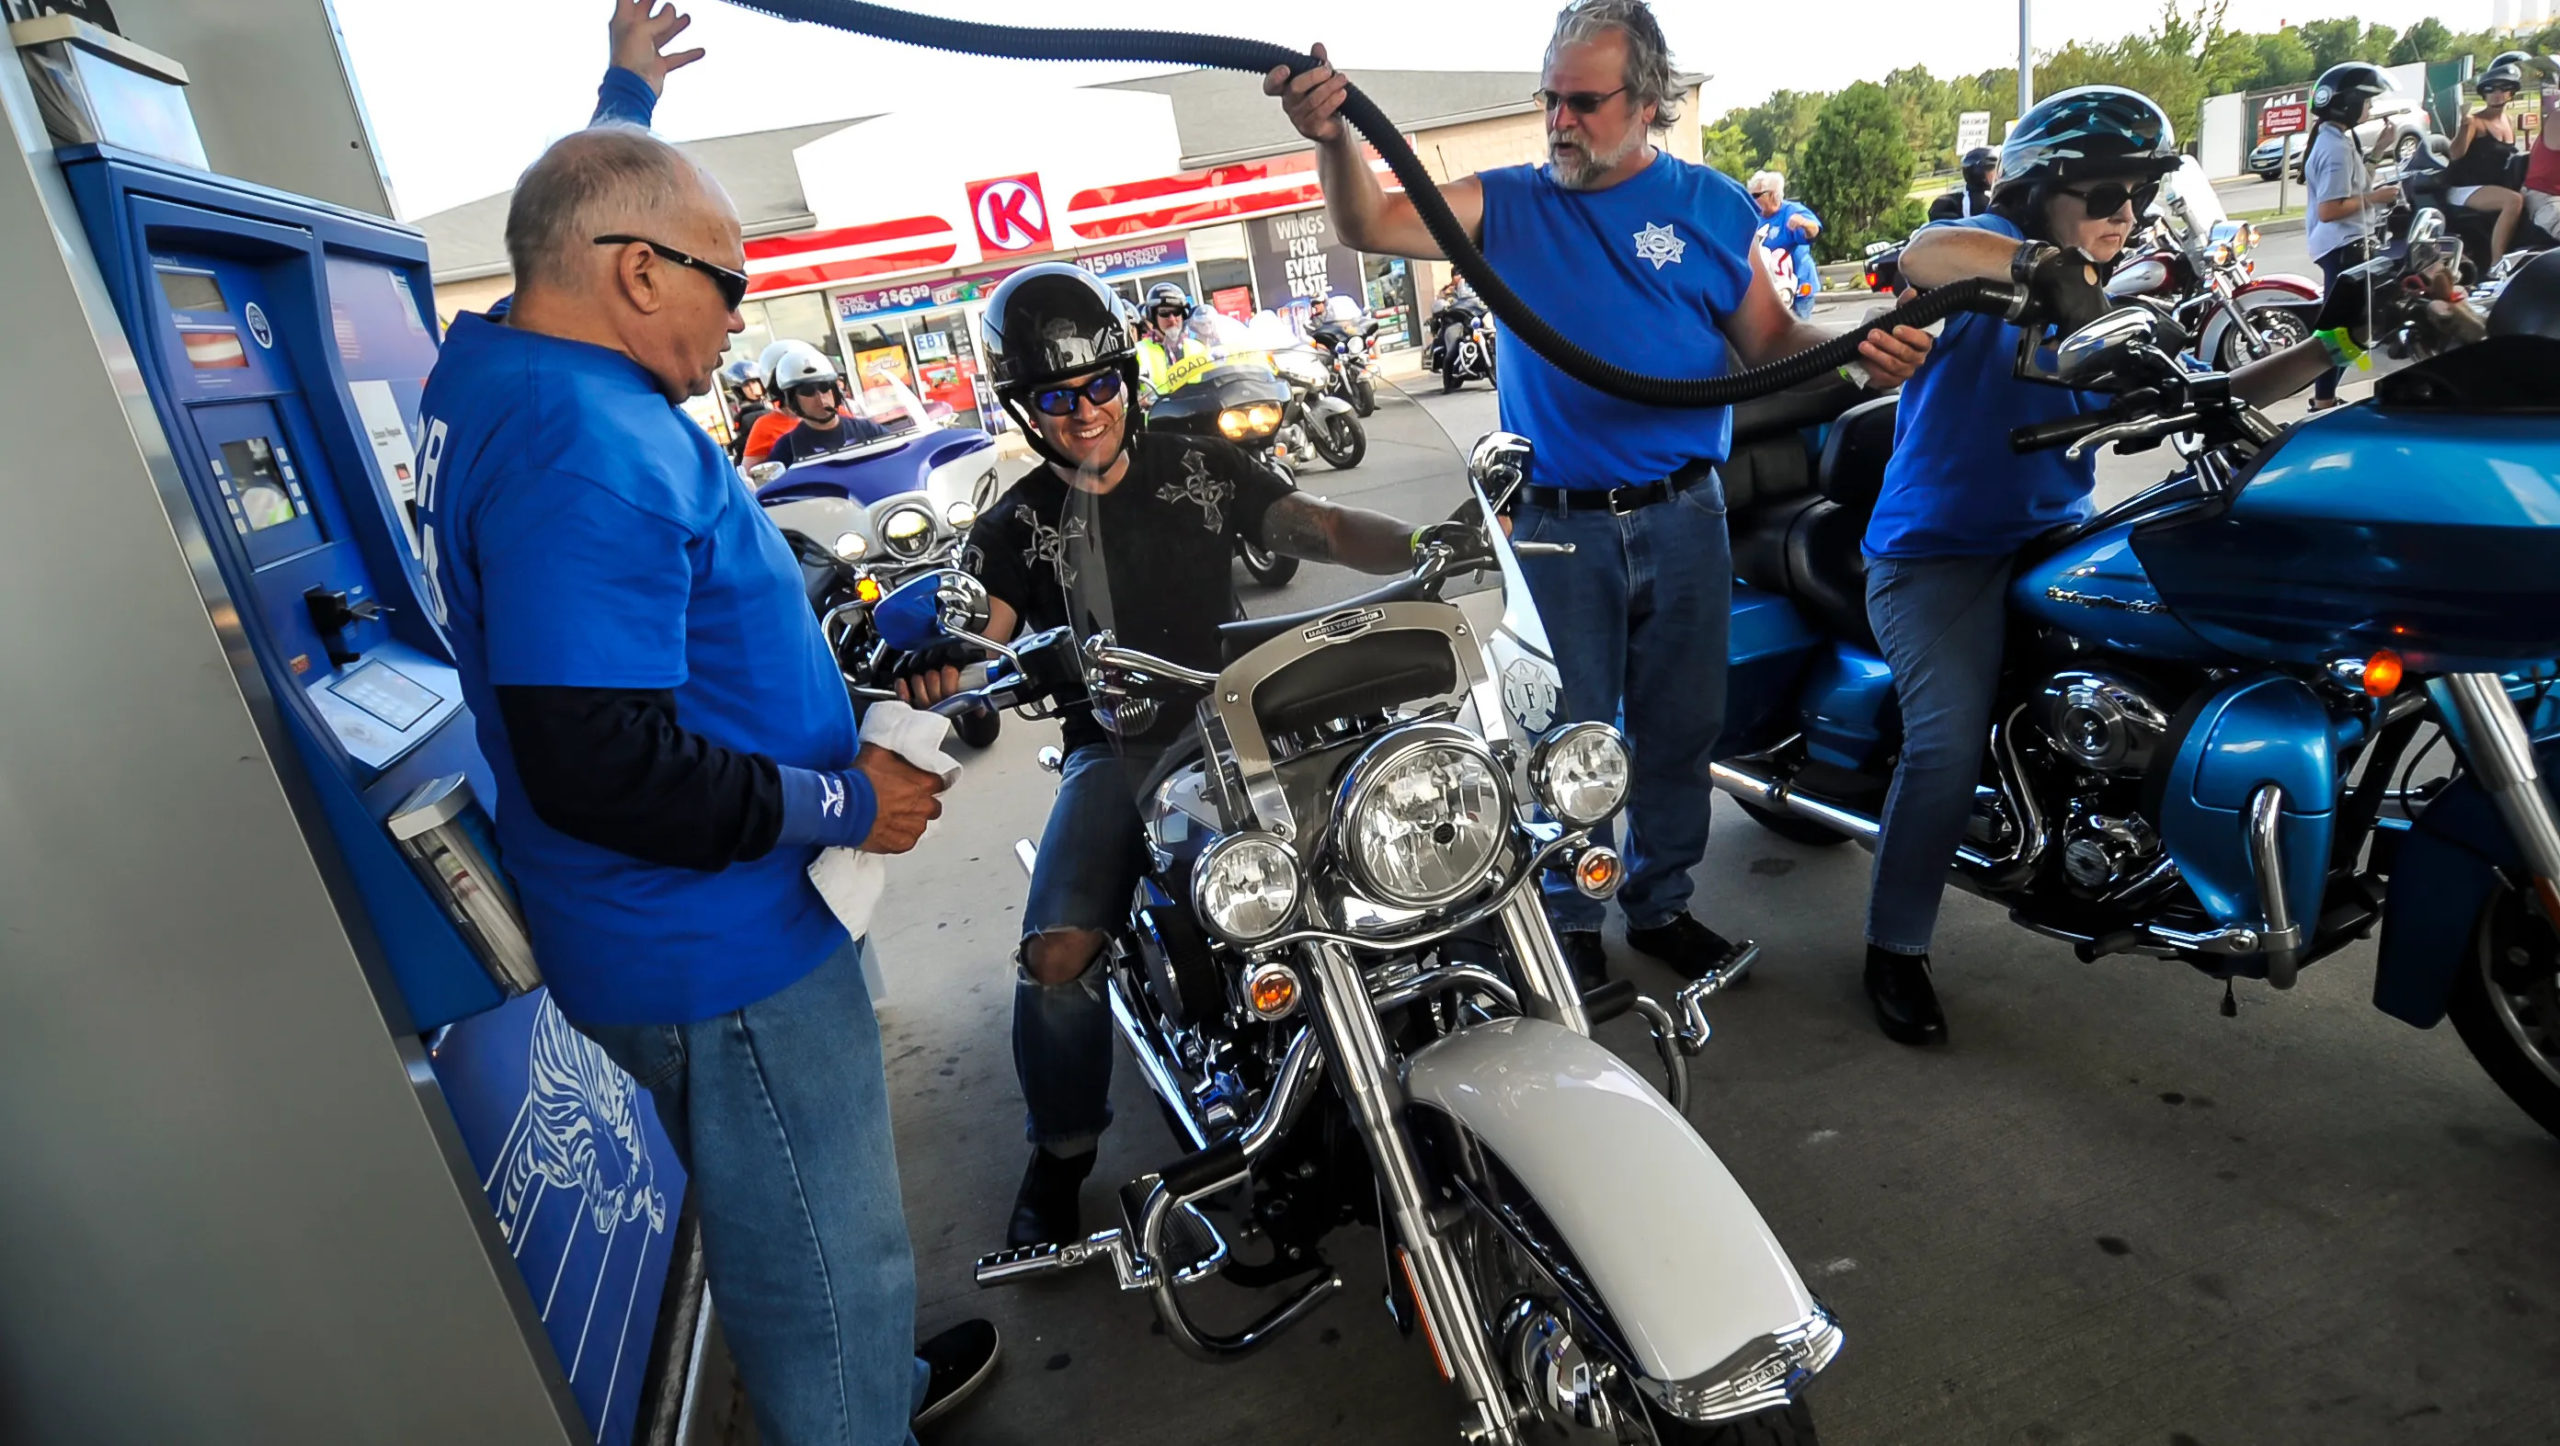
{"x":1906,"y":1005}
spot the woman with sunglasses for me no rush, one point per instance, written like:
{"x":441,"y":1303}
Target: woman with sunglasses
{"x":2484,"y":155}
{"x":1957,"y":505}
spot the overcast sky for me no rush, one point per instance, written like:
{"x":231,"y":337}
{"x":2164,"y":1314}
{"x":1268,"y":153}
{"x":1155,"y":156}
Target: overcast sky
{"x":463,"y":93}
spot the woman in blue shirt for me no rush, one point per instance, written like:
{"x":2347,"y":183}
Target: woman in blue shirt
{"x":1957,"y":504}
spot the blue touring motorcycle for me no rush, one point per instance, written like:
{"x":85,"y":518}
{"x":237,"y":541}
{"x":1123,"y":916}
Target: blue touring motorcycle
{"x":866,"y":519}
{"x":2218,"y":692}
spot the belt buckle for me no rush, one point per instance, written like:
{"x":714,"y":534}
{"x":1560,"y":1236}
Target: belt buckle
{"x":1618,"y":506}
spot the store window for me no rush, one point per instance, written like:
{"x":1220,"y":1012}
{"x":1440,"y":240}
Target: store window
{"x":1226,"y":283}
{"x":946,"y":363}
{"x":786,"y":318}
{"x":1389,"y":283}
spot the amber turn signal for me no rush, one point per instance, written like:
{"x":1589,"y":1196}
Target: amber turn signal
{"x":867,"y":589}
{"x":1598,"y":872}
{"x":2382,"y":674}
{"x":1271,"y":991}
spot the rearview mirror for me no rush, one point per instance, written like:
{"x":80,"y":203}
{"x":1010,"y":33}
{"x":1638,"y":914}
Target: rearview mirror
{"x":2105,"y":347}
{"x":930,"y":607}
{"x":763,"y":472}
{"x":1499,"y":465}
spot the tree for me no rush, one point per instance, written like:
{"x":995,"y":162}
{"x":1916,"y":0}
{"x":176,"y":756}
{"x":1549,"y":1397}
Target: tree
{"x":1855,"y":169}
{"x":1728,"y":149}
{"x":2330,"y":42}
{"x":2376,"y":44}
{"x":2426,"y":40}
{"x":1777,"y":127}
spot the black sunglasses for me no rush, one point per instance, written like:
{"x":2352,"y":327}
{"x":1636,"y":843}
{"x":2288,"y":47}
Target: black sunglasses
{"x":2108,"y":197}
{"x":1061,"y":401}
{"x":814,"y":389}
{"x":1583,"y":102}
{"x":732,"y":284}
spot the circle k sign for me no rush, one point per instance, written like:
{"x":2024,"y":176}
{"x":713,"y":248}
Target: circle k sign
{"x":1010,"y":213}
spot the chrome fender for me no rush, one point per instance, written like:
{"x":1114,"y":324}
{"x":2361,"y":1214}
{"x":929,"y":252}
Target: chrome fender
{"x":1327,"y":406}
{"x":1691,"y":1274}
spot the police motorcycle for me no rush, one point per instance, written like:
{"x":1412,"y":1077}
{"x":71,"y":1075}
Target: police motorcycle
{"x":2218,"y":693}
{"x":1339,"y":982}
{"x":2191,"y":256}
{"x":1461,"y":345}
{"x":1319,"y":422}
{"x":1238,"y":396}
{"x":1347,"y":338}
{"x":864,"y":520}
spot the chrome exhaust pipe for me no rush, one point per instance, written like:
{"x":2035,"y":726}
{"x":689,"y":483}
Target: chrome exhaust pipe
{"x":1770,"y":791}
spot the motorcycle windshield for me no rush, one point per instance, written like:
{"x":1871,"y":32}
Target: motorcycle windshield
{"x":1237,"y":669}
{"x":880,"y":395}
{"x":2190,"y":206}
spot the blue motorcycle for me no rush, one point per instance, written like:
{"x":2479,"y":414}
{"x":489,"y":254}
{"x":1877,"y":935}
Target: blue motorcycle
{"x":2220,"y":694}
{"x":863,"y":520}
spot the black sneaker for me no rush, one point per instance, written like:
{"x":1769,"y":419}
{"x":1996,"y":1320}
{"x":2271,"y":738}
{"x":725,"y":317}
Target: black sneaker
{"x":1589,"y":961}
{"x":958,"y":1362}
{"x":1905,"y":1002}
{"x":1045,"y":1211}
{"x":1693,"y":950}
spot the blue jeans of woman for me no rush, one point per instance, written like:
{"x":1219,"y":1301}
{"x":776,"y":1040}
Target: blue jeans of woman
{"x":1941,"y":622}
{"x":1638,"y":616}
{"x":780,"y":1113}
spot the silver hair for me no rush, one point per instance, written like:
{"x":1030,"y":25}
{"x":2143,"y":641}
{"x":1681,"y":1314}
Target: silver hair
{"x":1774,"y":180}
{"x":602,"y":179}
{"x":1649,"y":78}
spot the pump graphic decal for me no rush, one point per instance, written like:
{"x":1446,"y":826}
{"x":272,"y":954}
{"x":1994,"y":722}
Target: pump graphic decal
{"x":584,"y":1184}
{"x":259,"y":331}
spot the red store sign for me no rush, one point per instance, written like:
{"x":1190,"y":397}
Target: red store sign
{"x":1011,"y":214}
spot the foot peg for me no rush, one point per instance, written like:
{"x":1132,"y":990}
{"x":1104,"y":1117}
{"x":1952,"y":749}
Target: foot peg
{"x":1128,"y":1266}
{"x":1731,"y":972}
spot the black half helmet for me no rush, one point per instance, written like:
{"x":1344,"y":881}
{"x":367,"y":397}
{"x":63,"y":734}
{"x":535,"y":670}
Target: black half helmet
{"x":1164,"y":294}
{"x":2093,"y":130}
{"x":2341,"y":91}
{"x":2508,"y":77}
{"x":1052,"y":321}
{"x":2522,"y":60}
{"x":1979,"y":161}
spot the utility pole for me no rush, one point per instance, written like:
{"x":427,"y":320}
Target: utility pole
{"x":2026,"y":56}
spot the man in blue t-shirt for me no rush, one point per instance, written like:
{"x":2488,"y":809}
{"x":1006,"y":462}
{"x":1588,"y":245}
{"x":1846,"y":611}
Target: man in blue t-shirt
{"x":672,"y":745}
{"x":1787,"y":228}
{"x":1643,"y":260}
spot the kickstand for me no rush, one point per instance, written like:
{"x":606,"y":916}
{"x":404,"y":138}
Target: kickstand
{"x":2230,"y":1005}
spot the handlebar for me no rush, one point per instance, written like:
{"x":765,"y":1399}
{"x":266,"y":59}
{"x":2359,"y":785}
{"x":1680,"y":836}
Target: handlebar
{"x":2065,"y":430}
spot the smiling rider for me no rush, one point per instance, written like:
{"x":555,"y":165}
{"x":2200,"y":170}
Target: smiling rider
{"x":1159,"y":515}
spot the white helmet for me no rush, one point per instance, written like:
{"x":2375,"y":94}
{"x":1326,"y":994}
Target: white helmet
{"x":1341,"y":308}
{"x":795,"y":363}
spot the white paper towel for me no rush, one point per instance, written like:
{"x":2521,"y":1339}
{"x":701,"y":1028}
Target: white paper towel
{"x":849,"y":879}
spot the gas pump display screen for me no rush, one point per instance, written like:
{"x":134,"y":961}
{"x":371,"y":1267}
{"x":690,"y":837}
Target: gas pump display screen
{"x":213,"y":351}
{"x":264,"y":499}
{"x":386,"y":693}
{"x":192,"y":291}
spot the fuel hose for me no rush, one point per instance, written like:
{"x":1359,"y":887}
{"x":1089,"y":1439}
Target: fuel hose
{"x":1254,"y":57}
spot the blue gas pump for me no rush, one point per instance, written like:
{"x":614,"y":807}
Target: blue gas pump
{"x":285,"y":343}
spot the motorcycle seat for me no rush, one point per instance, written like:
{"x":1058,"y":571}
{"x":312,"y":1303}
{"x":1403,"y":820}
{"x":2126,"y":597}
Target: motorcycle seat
{"x":1798,"y":521}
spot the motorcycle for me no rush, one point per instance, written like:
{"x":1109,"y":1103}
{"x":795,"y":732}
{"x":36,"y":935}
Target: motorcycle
{"x":1318,"y":422}
{"x":2425,"y":183}
{"x":1461,"y":348}
{"x":2191,"y":257}
{"x":1348,"y":347}
{"x":1239,"y":397}
{"x":1339,"y":982}
{"x":2215,"y":691}
{"x":1884,"y":266}
{"x":864,"y":520}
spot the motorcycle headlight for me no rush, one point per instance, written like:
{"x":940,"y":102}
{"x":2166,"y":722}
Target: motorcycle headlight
{"x":1232,"y":422}
{"x":851,"y":546}
{"x":906,"y":530}
{"x":1245,"y":886}
{"x":961,"y":515}
{"x":1262,"y":416}
{"x":1580,"y":773}
{"x":1423,"y":817}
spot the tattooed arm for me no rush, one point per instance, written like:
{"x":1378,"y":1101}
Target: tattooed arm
{"x":1319,"y":531}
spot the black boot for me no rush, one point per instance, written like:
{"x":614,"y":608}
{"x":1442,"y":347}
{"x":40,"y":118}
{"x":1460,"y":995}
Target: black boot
{"x":1905,"y":1004}
{"x":1045,"y":1210}
{"x":1586,"y":956}
{"x":1693,"y":950}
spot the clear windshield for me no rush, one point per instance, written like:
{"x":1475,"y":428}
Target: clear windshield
{"x":2188,"y":205}
{"x":879,"y":392}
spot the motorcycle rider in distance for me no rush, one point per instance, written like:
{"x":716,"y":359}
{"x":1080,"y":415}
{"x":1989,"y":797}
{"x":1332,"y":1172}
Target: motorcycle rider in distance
{"x":768,"y":429}
{"x":1973,"y":198}
{"x":1165,"y":341}
{"x":2542,"y":163}
{"x":2483,"y":150}
{"x":1957,"y":504}
{"x":1172,"y":507}
{"x":814,"y":396}
{"x":2336,"y":185}
{"x":745,"y":391}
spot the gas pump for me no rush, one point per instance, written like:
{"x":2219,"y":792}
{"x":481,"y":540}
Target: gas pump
{"x":284,"y":343}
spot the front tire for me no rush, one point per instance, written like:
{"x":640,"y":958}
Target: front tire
{"x":2402,"y":154}
{"x":1342,"y":442}
{"x":1271,"y":569}
{"x":1364,"y":395}
{"x":1792,"y":828}
{"x":2506,"y":1004}
{"x":2278,"y":328}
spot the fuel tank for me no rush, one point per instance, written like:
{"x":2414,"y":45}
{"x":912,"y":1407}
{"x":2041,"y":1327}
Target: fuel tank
{"x":2435,"y":534}
{"x":2095,"y":589}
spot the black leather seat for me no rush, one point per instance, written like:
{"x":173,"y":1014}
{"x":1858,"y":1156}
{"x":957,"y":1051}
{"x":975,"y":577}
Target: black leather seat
{"x":1797,"y":520}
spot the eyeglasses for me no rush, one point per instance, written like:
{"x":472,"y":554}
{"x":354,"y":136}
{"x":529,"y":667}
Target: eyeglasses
{"x":2108,"y":197}
{"x":732,"y":284}
{"x":1061,"y":401}
{"x":1582,"y":102}
{"x":809,"y":390}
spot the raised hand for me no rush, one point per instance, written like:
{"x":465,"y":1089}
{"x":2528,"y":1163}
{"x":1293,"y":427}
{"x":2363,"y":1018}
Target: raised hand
{"x":641,"y":31}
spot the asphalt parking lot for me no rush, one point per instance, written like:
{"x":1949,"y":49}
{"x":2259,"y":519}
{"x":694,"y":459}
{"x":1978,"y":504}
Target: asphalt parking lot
{"x":2103,"y":1213}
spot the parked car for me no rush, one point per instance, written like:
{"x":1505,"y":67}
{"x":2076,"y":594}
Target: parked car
{"x":2394,"y":130}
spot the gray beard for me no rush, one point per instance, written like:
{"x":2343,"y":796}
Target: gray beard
{"x":1593,"y":166}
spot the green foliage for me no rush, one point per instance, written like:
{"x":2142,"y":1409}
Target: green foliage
{"x":2330,"y":42}
{"x":2426,"y":40}
{"x":1727,"y":148}
{"x":1855,"y":169}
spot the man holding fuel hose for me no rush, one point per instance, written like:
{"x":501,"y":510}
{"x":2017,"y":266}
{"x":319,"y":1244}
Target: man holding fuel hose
{"x":1643,"y":259}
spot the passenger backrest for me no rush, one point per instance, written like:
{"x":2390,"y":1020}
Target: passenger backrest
{"x":1854,"y":454}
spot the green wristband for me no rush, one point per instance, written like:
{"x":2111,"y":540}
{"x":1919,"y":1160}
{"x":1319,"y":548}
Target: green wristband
{"x":2343,"y":351}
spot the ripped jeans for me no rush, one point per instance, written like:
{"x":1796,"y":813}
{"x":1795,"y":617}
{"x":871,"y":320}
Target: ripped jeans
{"x":1092,"y":855}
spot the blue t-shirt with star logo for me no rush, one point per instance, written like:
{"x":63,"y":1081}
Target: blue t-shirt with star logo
{"x":1642,"y":274}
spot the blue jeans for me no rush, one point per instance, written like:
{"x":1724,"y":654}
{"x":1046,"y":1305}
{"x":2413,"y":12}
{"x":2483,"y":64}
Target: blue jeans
{"x":1091,"y":858}
{"x":780,"y":1112}
{"x":1638,"y":615}
{"x":1941,"y":622}
{"x":1804,"y":303}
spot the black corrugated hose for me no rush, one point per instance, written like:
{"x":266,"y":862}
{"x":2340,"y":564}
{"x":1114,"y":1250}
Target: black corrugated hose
{"x":1254,"y":57}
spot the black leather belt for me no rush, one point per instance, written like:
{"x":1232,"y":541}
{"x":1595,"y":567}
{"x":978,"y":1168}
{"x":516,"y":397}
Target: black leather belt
{"x":1618,"y":500}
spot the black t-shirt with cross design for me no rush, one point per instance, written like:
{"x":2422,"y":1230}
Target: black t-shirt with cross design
{"x":1167,"y":536}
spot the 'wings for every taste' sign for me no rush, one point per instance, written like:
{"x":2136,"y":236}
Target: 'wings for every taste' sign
{"x":1297,"y":257}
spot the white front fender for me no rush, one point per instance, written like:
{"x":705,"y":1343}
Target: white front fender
{"x":1689,"y":1271}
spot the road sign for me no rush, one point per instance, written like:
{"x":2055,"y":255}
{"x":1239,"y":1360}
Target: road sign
{"x":1010,"y":213}
{"x":1973,"y":128}
{"x":2283,"y":115}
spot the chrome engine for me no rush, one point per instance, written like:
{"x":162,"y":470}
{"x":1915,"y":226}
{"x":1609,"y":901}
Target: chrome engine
{"x":2104,"y":722}
{"x":2102,"y":852}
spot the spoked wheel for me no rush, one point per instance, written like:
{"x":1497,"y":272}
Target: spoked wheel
{"x":2506,"y":1004}
{"x":2277,"y":329}
{"x":2406,"y":151}
{"x":1269,"y":568}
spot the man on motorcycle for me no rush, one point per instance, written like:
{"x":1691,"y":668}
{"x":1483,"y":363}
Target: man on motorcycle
{"x":811,"y":392}
{"x":1957,"y":504}
{"x":745,"y":391}
{"x":1637,"y":256}
{"x":1166,"y":341}
{"x":1981,"y":172}
{"x":1063,"y":367}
